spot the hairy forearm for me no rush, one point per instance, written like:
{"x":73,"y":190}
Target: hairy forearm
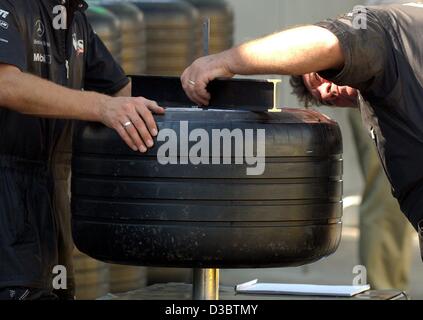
{"x":292,"y":52}
{"x":34,"y":96}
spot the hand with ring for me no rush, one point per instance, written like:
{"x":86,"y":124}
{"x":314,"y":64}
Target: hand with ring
{"x":133,"y":120}
{"x":127,"y":124}
{"x":197,"y":76}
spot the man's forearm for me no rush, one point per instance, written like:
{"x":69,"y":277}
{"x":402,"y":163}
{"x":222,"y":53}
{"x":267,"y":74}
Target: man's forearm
{"x":132,"y":118}
{"x":32,"y":95}
{"x":296,"y":51}
{"x":292,"y":52}
{"x":125,"y":91}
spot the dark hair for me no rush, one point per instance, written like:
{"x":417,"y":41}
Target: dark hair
{"x":302,"y":93}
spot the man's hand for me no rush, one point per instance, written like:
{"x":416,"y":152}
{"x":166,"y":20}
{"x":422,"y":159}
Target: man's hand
{"x":196,"y":77}
{"x":133,"y":120}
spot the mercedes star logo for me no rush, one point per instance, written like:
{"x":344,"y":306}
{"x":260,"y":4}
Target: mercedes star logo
{"x":39,"y":28}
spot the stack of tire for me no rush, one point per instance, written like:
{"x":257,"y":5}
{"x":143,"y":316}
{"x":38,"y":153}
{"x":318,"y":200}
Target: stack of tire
{"x":108,"y":28}
{"x":173,"y":29}
{"x":91,"y":277}
{"x":133,"y":27}
{"x":221,"y":17}
{"x":127,"y":278}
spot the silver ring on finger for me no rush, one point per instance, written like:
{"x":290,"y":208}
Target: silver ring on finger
{"x":127,"y":124}
{"x":191,"y":82}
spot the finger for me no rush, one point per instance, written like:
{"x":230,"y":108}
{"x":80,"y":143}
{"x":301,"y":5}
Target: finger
{"x":191,"y":95}
{"x":203,"y":94}
{"x":142,"y":130}
{"x":189,"y":84}
{"x":199,"y":101}
{"x":200,"y":95}
{"x":189,"y":89}
{"x":148,"y":118}
{"x":132,"y":131}
{"x":125,"y":137}
{"x":154,"y":107}
{"x":184,"y":75}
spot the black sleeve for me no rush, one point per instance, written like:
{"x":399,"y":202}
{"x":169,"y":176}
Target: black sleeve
{"x":102,"y":73}
{"x":369,"y":54}
{"x":12,"y":48}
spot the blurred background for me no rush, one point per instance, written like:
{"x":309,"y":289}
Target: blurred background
{"x":162,"y":37}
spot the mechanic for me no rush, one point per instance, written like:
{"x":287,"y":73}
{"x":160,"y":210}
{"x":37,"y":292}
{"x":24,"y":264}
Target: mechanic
{"x":49,"y":74}
{"x":343,"y":62}
{"x":385,"y":237}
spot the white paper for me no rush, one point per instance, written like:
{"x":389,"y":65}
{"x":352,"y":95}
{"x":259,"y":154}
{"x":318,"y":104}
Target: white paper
{"x":253,"y":287}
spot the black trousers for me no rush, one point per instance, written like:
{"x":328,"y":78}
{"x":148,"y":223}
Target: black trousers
{"x":35,"y":229}
{"x":28,"y":227}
